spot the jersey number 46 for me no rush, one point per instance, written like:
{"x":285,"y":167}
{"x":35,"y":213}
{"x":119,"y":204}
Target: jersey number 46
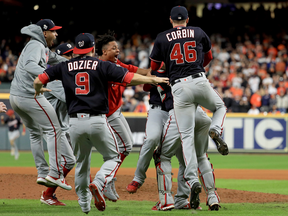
{"x":188,"y":51}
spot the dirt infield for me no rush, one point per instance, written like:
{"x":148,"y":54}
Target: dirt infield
{"x":10,"y":177}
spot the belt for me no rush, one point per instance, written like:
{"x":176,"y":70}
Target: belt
{"x":74,"y":115}
{"x":194,"y":76}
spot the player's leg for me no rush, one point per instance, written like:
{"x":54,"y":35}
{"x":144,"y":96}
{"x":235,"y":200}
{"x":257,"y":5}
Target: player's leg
{"x":153,"y":132}
{"x":206,"y":172}
{"x":36,"y":142}
{"x":82,"y":150}
{"x":214,"y":103}
{"x":184,"y":110}
{"x":13,"y":136}
{"x":104,"y":140}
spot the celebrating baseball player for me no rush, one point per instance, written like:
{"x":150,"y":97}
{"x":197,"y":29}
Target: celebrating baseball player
{"x":57,"y":99}
{"x":107,"y":49}
{"x":37,"y":113}
{"x":85,"y":81}
{"x":185,"y":52}
{"x":13,"y":123}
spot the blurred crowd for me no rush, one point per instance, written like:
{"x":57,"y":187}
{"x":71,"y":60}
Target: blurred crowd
{"x":249,"y":71}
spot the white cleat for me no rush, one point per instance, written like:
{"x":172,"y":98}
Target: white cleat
{"x":59,"y":182}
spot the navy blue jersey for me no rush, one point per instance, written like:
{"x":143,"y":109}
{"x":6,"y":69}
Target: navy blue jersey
{"x":13,"y":124}
{"x":161,"y":94}
{"x":182,"y":50}
{"x":85,"y":81}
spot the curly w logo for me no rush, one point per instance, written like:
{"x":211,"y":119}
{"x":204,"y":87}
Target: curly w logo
{"x":81,"y":43}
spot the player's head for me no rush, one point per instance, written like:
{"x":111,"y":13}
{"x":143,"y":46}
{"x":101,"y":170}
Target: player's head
{"x":84,"y":44}
{"x":10,"y":113}
{"x":65,"y":50}
{"x":49,"y":30}
{"x":179,"y":15}
{"x":107,"y":47}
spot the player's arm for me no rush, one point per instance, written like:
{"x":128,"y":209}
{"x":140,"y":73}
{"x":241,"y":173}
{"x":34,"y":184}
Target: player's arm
{"x":156,"y":55}
{"x":134,"y":69}
{"x":32,"y":58}
{"x":48,"y":75}
{"x":55,"y":58}
{"x":207,"y":58}
{"x":138,"y":79}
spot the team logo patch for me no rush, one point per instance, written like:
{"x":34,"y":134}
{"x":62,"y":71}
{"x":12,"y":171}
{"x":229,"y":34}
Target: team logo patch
{"x":81,"y":43}
{"x":45,"y":26}
{"x":58,"y":51}
{"x":69,"y":46}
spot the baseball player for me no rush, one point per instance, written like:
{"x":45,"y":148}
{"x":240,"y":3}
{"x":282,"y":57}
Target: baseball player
{"x":171,"y":145}
{"x":13,"y":123}
{"x":85,"y":81}
{"x":3,"y":107}
{"x":57,"y":98}
{"x":37,"y":113}
{"x":156,"y":117}
{"x":108,"y":50}
{"x":185,"y":52}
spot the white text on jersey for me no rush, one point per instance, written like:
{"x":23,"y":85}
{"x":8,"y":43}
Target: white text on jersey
{"x":82,"y":65}
{"x":179,"y":34}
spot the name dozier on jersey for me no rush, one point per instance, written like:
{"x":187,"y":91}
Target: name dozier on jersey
{"x":83,"y":64}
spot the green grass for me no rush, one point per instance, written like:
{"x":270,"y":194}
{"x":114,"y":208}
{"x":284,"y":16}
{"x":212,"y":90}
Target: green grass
{"x":33,"y":207}
{"x":264,"y":186}
{"x":231,"y":161}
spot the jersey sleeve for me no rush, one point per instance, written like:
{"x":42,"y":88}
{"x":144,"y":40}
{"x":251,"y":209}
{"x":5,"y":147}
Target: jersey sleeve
{"x":115,"y":72}
{"x":206,"y":42}
{"x":156,"y":54}
{"x":130,"y":67}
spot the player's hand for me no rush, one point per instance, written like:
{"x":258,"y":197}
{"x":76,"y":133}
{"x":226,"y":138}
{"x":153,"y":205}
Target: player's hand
{"x":41,"y":91}
{"x":157,"y":80}
{"x":3,"y":107}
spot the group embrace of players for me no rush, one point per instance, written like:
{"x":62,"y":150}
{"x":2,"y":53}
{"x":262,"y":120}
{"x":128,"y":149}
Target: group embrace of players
{"x":76,"y":104}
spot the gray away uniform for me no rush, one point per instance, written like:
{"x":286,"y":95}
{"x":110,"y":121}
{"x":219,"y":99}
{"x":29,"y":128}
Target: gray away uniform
{"x":37,"y":113}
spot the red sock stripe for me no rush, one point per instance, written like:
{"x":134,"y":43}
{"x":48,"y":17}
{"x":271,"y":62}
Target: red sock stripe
{"x":56,"y":155}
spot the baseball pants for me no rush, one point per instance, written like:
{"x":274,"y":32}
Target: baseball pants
{"x":86,"y":132}
{"x":187,"y":95}
{"x":122,"y":131}
{"x":40,"y":118}
{"x":154,"y":126}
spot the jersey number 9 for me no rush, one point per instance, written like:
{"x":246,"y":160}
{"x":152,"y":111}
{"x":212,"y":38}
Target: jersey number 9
{"x":189,"y":53}
{"x":82,"y":81}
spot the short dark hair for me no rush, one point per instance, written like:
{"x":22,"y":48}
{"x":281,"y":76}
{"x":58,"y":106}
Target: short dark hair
{"x":103,"y":40}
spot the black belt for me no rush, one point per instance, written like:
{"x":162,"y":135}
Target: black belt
{"x":74,"y":115}
{"x":194,"y":76}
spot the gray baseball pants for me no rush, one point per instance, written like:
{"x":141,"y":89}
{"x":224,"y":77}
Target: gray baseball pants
{"x":86,"y":132}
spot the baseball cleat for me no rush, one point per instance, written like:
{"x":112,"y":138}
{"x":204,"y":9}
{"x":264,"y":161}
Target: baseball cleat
{"x":220,"y":144}
{"x":194,"y":196}
{"x":186,"y":207}
{"x":50,"y":200}
{"x":109,"y":194}
{"x":59,"y":182}
{"x":133,"y":186}
{"x":214,"y":207}
{"x":213,"y":203}
{"x":43,"y":181}
{"x":99,"y":200}
{"x":159,"y":207}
